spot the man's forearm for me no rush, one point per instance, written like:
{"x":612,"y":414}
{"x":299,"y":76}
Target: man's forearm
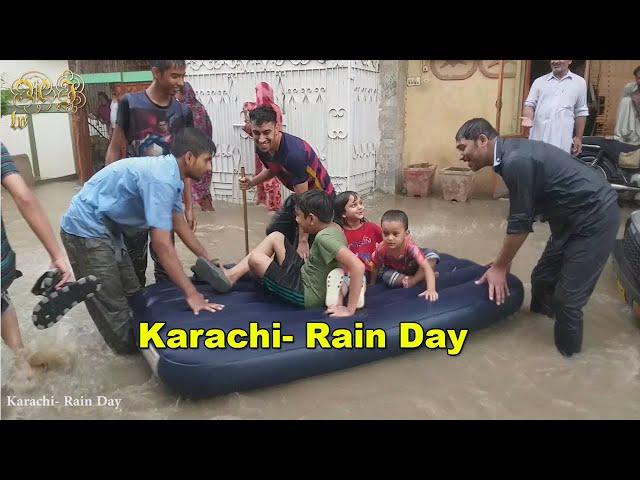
{"x":186,"y":195}
{"x":188,"y":237}
{"x":298,"y":190}
{"x":263,"y":176}
{"x":117,"y":147}
{"x":169,"y":260}
{"x":510,"y":247}
{"x":33,"y":213}
{"x":114,"y":153}
{"x":528,"y":112}
{"x":580,"y":124}
{"x":302,"y":235}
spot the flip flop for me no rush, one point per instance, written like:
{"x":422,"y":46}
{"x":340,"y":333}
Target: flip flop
{"x":334,"y":285}
{"x":212,"y":274}
{"x":56,"y":303}
{"x":362,"y":292}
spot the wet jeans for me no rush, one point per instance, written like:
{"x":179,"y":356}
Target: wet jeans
{"x":109,"y":308}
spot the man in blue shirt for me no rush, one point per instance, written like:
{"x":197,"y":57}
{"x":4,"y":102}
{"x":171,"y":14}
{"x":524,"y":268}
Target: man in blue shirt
{"x":135,"y":194}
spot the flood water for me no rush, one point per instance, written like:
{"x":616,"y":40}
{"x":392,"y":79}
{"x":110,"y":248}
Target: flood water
{"x":511,"y":370}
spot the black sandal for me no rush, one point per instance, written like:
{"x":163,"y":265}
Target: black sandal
{"x":210,"y":273}
{"x":56,"y":303}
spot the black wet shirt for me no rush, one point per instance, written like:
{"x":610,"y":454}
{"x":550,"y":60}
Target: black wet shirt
{"x":544,"y":180}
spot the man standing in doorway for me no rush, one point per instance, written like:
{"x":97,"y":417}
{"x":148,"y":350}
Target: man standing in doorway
{"x":628,"y":120}
{"x":555,"y":106}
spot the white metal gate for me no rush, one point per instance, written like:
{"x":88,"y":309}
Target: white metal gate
{"x":332,"y":104}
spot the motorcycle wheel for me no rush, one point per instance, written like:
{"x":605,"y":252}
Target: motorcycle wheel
{"x":601,"y":171}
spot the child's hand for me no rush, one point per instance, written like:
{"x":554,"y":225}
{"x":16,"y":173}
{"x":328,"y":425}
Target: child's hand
{"x":339,"y":311}
{"x":431,"y":295}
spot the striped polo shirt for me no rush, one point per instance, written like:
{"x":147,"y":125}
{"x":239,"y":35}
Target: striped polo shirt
{"x":296,"y":162}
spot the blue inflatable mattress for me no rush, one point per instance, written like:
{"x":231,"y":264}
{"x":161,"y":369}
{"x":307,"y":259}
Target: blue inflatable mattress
{"x":258,"y":340}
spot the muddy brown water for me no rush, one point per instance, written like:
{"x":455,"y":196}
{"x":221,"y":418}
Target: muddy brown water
{"x":508,"y":371}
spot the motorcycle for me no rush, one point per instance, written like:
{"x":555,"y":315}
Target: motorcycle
{"x":603,"y":154}
{"x":626,"y":263}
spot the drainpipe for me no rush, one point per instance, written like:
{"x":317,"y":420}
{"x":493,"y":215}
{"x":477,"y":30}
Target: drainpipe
{"x":349,"y":125}
{"x":499,"y":101}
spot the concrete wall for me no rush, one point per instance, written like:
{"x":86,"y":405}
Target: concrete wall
{"x":392,"y":88}
{"x":52,"y":131}
{"x":437,"y":108}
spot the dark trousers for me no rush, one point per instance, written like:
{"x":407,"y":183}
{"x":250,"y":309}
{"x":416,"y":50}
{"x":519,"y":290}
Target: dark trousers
{"x":566,"y":274}
{"x":284,"y":221}
{"x":109,"y":308}
{"x":138,"y":246}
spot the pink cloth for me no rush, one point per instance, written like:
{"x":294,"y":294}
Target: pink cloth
{"x":200,"y":189}
{"x":269,"y":191}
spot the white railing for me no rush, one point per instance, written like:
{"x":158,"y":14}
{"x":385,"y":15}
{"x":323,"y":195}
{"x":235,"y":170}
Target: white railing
{"x":331,"y":104}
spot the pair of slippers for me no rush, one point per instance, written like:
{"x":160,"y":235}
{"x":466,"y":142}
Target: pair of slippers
{"x":56,"y":303}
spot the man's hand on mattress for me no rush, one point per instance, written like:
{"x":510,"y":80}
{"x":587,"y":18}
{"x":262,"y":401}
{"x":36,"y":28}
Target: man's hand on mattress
{"x":197,"y":302}
{"x":490,"y":264}
{"x":496,"y":279}
{"x":339,"y":311}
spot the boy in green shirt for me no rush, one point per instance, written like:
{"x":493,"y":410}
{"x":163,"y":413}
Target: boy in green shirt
{"x":287,"y":275}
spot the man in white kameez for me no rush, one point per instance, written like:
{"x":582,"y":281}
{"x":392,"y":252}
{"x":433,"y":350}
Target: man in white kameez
{"x":557,"y":103}
{"x":628,"y":120}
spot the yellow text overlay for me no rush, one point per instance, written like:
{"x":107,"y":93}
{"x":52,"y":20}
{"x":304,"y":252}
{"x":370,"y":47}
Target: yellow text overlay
{"x":318,"y":335}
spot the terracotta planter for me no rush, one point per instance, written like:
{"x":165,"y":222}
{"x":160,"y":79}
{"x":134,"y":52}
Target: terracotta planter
{"x":418,"y":179}
{"x":457,"y":183}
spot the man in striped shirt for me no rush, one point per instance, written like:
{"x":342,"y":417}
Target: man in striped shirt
{"x":297,"y":166}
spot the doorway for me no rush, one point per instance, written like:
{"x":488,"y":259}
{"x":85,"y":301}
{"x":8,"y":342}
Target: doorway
{"x":539,"y":68}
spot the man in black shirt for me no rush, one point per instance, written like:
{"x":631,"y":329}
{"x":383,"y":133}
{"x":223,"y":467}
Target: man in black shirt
{"x":582,"y":211}
{"x":147,"y":123}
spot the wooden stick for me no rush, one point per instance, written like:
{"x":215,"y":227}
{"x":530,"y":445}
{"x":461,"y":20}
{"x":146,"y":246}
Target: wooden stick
{"x":244,"y":208}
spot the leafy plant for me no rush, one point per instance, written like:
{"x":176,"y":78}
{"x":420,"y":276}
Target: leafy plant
{"x":6,"y":102}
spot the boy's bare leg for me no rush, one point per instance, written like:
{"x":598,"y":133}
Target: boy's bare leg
{"x":13,"y":339}
{"x":260,"y":258}
{"x":273,"y":243}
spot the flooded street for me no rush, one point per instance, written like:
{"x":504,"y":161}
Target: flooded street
{"x":511,"y":370}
